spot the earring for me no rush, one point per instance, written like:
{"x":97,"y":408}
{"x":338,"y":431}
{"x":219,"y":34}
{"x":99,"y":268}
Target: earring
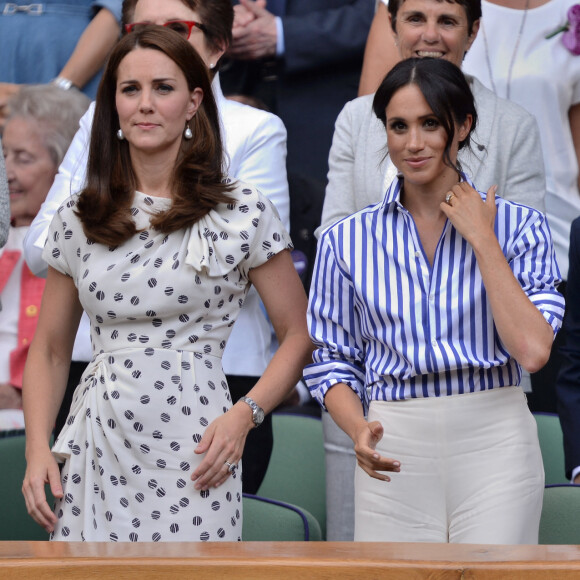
{"x":187,"y":133}
{"x":120,"y":135}
{"x":212,"y":65}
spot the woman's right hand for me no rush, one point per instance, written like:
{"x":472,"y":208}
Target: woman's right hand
{"x":365,"y":442}
{"x":41,"y":468}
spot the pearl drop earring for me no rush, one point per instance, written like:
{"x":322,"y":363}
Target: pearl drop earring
{"x":187,"y":133}
{"x":120,"y":135}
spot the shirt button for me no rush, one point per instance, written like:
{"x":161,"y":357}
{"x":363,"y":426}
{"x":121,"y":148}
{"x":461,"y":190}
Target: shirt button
{"x":434,"y":342}
{"x":417,"y":254}
{"x":31,"y":310}
{"x":431,"y":297}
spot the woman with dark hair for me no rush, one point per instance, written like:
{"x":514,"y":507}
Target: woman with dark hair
{"x":424,"y":308}
{"x":160,"y":250}
{"x":506,"y":153}
{"x":255,"y":152}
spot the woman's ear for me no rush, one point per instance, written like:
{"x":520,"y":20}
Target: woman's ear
{"x":464,"y":128}
{"x":215,"y":55}
{"x":194,"y":103}
{"x":472,"y":36}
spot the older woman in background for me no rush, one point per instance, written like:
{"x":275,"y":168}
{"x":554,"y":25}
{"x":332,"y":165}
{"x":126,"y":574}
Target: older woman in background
{"x":41,"y":125}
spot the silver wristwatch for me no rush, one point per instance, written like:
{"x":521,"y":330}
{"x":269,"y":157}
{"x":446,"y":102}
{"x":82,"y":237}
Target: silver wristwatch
{"x":64,"y":84}
{"x":257,"y":411}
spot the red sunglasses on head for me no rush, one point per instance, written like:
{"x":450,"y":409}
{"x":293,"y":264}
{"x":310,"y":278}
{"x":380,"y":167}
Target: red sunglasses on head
{"x":182,"y":27}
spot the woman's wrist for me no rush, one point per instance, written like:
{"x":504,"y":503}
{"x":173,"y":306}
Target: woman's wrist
{"x":63,"y":83}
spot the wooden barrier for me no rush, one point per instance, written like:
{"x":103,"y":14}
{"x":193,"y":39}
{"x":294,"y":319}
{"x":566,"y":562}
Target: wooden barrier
{"x":285,"y":561}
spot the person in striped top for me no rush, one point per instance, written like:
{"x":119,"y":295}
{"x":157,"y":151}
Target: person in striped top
{"x":424,"y":308}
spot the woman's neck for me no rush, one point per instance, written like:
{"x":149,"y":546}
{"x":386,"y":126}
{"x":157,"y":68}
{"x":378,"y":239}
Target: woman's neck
{"x":424,"y":200}
{"x":153,"y":173}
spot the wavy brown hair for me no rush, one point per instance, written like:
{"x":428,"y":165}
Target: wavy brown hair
{"x":198,"y":181}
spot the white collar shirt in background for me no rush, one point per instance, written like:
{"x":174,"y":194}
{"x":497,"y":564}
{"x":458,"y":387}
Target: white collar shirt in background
{"x":545,"y":80}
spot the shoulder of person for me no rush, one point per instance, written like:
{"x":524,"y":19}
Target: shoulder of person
{"x":240,"y":115}
{"x":487,"y":101}
{"x":490,"y":105}
{"x":359,"y":115}
{"x":361,"y":107}
{"x":333,"y":230}
{"x":528,"y":213}
{"x":68,"y":207}
{"x":248,"y":198}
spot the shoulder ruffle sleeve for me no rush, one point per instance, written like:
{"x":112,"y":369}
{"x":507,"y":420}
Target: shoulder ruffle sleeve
{"x":243,"y":234}
{"x":63,"y":247}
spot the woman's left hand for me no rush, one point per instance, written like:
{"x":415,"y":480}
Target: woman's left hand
{"x":472,"y":217}
{"x":223,"y":443}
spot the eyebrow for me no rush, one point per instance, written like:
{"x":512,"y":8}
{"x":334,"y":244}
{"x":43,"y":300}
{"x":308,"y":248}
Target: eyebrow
{"x":421,"y":118}
{"x":159,"y":80}
{"x":420,"y":13}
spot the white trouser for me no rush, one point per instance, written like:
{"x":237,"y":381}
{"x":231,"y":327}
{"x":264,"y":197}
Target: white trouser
{"x":471,"y":471}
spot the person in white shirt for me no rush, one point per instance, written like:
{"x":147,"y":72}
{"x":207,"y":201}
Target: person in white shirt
{"x":255,"y":144}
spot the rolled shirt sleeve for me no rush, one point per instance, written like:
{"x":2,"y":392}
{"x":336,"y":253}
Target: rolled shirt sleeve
{"x":334,"y":328}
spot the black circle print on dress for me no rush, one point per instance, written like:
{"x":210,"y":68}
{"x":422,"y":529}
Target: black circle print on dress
{"x":159,"y":327}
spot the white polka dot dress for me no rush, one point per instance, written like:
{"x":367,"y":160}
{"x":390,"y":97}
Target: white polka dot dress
{"x":161,"y":308}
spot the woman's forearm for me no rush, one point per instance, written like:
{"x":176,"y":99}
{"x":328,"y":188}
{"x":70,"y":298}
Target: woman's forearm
{"x":283,"y":372}
{"x":345,"y":408}
{"x":48,"y":362}
{"x":522,"y":328}
{"x":92,"y":49}
{"x":44,"y":383}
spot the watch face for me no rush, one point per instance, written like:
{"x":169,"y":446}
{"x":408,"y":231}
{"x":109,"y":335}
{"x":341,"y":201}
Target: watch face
{"x":259,"y":416}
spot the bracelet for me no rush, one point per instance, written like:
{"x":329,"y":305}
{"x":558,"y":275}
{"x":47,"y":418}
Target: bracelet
{"x":64,"y":84}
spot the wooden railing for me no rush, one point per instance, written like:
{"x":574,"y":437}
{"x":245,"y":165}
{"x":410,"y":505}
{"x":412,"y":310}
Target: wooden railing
{"x":285,"y":561}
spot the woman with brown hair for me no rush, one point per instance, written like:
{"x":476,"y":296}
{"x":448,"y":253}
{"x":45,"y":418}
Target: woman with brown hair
{"x":255,"y":148}
{"x":160,"y":250}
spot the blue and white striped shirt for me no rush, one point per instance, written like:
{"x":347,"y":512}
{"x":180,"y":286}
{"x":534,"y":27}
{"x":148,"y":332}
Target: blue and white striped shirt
{"x":392,"y":327}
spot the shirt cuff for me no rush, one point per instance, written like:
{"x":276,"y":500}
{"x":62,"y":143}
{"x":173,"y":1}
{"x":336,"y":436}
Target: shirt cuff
{"x":279,"y":37}
{"x":575,"y":472}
